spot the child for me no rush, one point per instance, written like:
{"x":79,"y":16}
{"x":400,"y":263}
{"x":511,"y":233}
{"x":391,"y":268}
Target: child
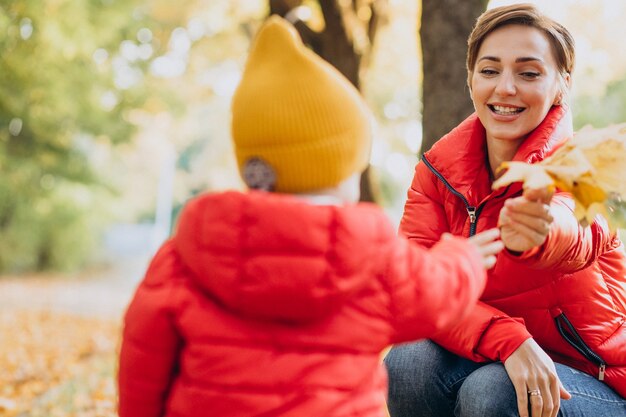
{"x":279,"y":303}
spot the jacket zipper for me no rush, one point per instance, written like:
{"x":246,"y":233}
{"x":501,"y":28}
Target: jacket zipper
{"x":472,"y":211}
{"x":573,"y":338}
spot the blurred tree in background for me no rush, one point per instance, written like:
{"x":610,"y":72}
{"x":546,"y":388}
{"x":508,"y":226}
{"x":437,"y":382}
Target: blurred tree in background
{"x":444,"y":29}
{"x":105,"y":103}
{"x":70,"y":72}
{"x":602,"y":110}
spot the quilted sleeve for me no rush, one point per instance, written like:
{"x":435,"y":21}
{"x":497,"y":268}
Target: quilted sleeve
{"x":569,"y":246}
{"x":485,"y":334}
{"x":474,"y":330}
{"x":434,"y":289}
{"x":150,"y":344}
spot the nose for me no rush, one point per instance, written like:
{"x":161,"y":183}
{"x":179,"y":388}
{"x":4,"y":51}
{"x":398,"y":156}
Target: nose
{"x":506,"y":84}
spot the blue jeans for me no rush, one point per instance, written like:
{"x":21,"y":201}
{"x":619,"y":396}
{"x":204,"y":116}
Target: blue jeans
{"x":426,"y":380}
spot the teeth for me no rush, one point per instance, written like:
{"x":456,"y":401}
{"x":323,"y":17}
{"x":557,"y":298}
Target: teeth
{"x":507,"y":110}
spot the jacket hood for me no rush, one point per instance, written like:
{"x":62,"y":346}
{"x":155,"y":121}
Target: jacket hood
{"x":467,"y":147}
{"x":274,"y":256}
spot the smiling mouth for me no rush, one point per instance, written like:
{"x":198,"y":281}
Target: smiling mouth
{"x":505,"y":110}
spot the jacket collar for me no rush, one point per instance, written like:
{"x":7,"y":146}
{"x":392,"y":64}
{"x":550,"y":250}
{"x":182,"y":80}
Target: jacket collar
{"x":461,"y":155}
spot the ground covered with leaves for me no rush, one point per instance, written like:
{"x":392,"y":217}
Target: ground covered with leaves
{"x":57,"y":365}
{"x":59,"y":339}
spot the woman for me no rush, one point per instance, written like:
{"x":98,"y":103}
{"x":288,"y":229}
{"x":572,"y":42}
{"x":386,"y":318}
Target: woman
{"x":558,"y":291}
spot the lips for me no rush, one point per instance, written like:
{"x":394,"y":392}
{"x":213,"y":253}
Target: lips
{"x":505,"y":110}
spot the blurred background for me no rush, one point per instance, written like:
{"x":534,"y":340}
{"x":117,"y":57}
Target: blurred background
{"x":113,"y":113}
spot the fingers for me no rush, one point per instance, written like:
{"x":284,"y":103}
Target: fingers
{"x":543,"y":195}
{"x":489,"y":262}
{"x":544,"y":396}
{"x":548,"y":388}
{"x":555,"y":398}
{"x":531,"y":237}
{"x":536,"y":382}
{"x":492,"y":248}
{"x":485,"y":237}
{"x":538,"y":224}
{"x":564,"y":394}
{"x":486,"y":242}
{"x":531,"y":208}
{"x":522,"y":396}
{"x":527,"y":223}
{"x":536,"y":404}
{"x":556,"y":391}
{"x":487,"y":246}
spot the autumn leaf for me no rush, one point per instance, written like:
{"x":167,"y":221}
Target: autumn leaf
{"x":54,"y":364}
{"x":591,"y":166}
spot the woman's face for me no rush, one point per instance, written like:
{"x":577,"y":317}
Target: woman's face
{"x":514,"y":83}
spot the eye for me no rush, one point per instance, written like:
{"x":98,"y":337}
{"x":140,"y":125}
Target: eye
{"x":530,"y":75}
{"x":488,"y":72}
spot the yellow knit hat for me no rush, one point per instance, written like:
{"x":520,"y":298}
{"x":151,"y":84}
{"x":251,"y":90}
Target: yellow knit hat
{"x":296,"y":116}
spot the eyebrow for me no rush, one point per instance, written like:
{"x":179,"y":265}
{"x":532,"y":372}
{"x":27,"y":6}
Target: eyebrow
{"x":517,"y":60}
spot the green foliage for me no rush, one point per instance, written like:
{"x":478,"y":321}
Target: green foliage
{"x":60,"y":96}
{"x":603,"y":110}
{"x":49,"y":231}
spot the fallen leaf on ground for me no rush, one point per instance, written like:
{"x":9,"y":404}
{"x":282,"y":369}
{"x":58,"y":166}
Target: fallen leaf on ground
{"x":54,"y":364}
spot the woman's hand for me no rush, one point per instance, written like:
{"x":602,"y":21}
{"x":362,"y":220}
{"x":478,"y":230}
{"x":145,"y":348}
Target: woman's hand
{"x":535,"y":380}
{"x":525,"y":221}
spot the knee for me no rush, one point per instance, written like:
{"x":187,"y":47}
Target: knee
{"x":414,"y":364}
{"x":487,"y":392}
{"x":414,"y":371}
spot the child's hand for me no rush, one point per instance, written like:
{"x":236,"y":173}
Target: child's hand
{"x":487,"y":244}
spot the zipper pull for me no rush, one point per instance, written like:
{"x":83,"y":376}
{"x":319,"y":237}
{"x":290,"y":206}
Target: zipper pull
{"x":471,"y":211}
{"x":601,"y":373}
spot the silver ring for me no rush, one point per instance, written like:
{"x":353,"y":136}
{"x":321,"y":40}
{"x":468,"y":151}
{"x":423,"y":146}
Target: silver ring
{"x":534,"y":393}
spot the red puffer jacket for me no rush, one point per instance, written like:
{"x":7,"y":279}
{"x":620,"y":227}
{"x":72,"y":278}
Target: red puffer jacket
{"x":569,"y":294}
{"x":264,"y":305}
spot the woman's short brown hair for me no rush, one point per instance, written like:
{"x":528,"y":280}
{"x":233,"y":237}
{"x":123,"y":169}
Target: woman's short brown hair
{"x":524,"y":14}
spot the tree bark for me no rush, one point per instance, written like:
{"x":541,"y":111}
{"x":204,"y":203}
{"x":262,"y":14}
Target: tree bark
{"x":445,"y":27}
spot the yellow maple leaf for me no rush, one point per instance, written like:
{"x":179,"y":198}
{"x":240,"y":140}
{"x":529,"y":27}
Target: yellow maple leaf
{"x":591,"y":166}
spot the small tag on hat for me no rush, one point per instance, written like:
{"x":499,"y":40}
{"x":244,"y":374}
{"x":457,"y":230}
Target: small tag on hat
{"x":258,"y":174}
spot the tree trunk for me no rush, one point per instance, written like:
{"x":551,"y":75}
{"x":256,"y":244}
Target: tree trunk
{"x":336,"y":44}
{"x":445,"y":27}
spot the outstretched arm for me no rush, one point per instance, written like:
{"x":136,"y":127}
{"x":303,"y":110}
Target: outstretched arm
{"x":435,"y":289}
{"x":543,"y":232}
